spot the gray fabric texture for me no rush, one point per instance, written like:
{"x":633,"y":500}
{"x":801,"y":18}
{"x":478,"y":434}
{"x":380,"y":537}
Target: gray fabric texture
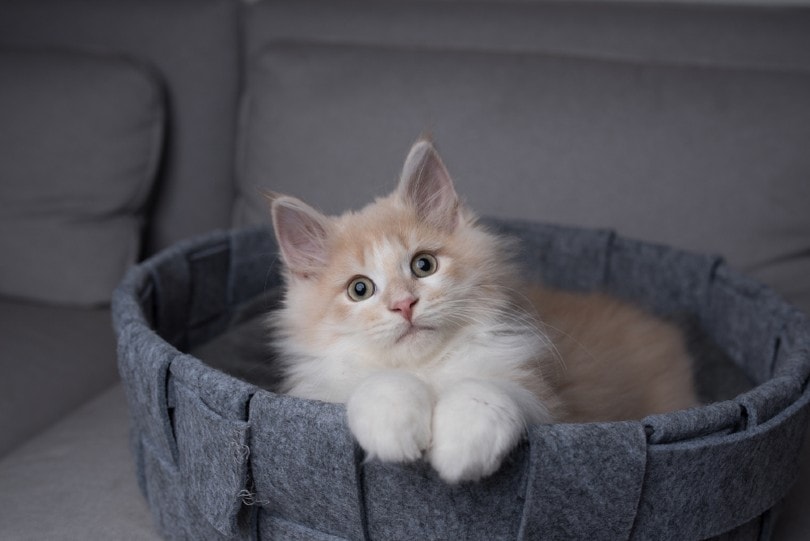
{"x":194,"y":47}
{"x":296,"y":446}
{"x":408,"y":501}
{"x":585,"y":483}
{"x":225,"y":459}
{"x":718,"y":466}
{"x":68,"y":353}
{"x":76,"y":480}
{"x":707,"y":158}
{"x":685,"y":33}
{"x":207,"y":446}
{"x":81,"y":138}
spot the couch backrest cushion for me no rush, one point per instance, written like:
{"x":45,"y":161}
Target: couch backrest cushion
{"x":699,"y":33}
{"x":702,"y":147}
{"x":194,"y":47}
{"x":81,"y":138}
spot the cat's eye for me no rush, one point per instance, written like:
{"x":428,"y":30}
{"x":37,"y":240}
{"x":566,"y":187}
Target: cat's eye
{"x":424,"y":264}
{"x":360,"y":288}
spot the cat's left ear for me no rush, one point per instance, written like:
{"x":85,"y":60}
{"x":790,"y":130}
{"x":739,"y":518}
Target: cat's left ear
{"x":426,"y":184}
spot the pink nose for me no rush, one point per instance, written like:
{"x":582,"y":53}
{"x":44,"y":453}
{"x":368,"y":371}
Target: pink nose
{"x":404,"y":306}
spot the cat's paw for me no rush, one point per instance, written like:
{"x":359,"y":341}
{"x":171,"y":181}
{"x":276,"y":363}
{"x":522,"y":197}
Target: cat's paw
{"x":390,"y":416}
{"x":475,"y":425}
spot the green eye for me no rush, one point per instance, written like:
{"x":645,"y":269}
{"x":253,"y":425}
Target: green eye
{"x":360,"y":289}
{"x":424,"y":264}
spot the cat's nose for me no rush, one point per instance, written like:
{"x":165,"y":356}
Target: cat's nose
{"x":404,"y":306}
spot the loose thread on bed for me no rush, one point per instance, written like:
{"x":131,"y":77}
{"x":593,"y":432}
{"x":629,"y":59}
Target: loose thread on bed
{"x":249,"y":498}
{"x":241,"y":452}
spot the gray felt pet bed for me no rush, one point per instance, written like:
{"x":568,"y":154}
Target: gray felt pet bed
{"x":220,"y":458}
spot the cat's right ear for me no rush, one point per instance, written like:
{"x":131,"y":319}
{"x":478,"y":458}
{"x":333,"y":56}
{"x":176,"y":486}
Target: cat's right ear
{"x":301,"y":233}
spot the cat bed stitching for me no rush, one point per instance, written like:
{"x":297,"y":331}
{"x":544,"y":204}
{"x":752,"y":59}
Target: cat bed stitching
{"x":218,"y":458}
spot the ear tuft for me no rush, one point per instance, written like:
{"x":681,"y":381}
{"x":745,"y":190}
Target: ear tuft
{"x":426,"y":184}
{"x":301,"y":232}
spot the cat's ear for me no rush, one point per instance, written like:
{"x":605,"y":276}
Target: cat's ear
{"x":301,"y":232}
{"x":426,"y":184}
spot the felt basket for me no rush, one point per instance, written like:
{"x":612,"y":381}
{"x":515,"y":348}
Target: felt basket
{"x":220,"y":458}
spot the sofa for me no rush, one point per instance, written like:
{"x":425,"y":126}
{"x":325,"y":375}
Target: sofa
{"x":127,"y":126}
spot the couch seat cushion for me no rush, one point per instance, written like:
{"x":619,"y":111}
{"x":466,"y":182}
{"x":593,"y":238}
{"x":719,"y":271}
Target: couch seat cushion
{"x":76,"y":480}
{"x":52,"y":359}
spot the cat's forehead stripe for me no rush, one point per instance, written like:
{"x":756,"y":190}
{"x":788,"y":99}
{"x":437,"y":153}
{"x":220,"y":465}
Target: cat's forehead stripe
{"x":382,"y":239}
{"x":386,"y":252}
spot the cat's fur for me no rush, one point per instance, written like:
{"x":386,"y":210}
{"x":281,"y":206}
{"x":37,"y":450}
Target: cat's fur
{"x":454,"y":365}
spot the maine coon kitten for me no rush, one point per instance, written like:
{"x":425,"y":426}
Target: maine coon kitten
{"x":415,"y":316}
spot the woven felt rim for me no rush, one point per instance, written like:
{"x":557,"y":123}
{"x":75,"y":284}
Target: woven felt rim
{"x":220,"y":458}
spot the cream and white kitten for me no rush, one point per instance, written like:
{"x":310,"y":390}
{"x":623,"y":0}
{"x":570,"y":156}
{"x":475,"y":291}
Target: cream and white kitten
{"x":415,"y":317}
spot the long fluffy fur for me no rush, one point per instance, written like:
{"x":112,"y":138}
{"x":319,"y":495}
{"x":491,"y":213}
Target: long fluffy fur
{"x":459,"y":383}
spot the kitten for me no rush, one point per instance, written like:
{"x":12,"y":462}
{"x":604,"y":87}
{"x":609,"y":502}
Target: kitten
{"x":415,"y":317}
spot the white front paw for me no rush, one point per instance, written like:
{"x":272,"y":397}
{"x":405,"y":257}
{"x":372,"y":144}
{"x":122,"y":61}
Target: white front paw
{"x":390,"y":415}
{"x":475,"y":425}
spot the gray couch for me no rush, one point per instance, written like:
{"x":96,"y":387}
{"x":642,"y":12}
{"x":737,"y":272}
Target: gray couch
{"x":126,"y":126}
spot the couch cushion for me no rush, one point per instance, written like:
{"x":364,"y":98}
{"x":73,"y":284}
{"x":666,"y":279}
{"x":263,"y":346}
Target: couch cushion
{"x":81,"y":138}
{"x":710,"y":159}
{"x":76,"y":480}
{"x":52,"y":359}
{"x":194,"y":45}
{"x":736,"y":33}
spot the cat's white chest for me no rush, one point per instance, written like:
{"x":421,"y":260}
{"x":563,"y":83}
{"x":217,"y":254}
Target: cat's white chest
{"x":486,"y":353}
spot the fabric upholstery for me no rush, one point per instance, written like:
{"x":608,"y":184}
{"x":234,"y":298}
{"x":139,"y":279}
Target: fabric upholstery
{"x":66,"y":354}
{"x":194,"y":47}
{"x":704,"y":472}
{"x":81,"y":138}
{"x":76,"y":480}
{"x":709,"y":159}
{"x":706,"y":33}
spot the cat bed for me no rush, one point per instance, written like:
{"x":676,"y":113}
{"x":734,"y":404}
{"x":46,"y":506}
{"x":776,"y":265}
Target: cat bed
{"x":220,"y":458}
